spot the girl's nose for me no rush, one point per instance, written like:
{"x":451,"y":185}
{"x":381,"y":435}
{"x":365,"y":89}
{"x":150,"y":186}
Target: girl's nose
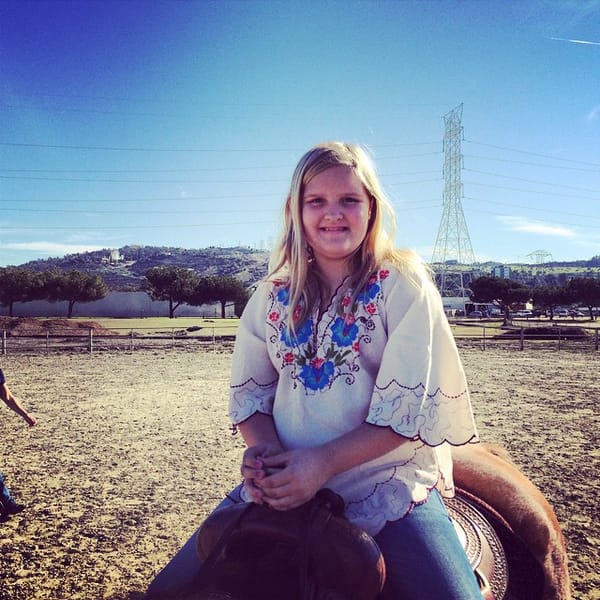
{"x":334,"y":214}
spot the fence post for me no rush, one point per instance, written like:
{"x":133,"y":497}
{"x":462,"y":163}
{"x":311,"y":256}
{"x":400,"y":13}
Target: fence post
{"x":559,"y":337}
{"x":91,"y":343}
{"x":47,"y":342}
{"x":521,"y":338}
{"x":484,"y":337}
{"x":4,"y":340}
{"x":596,"y":343}
{"x":131,"y":341}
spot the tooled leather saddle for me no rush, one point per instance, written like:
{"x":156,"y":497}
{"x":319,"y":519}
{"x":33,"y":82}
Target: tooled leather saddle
{"x":251,"y":552}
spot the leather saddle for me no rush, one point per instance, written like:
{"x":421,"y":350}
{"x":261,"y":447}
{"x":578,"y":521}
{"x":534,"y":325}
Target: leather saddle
{"x":247,"y":547}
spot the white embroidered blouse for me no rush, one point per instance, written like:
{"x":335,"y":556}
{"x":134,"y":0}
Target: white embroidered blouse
{"x":389,"y":360}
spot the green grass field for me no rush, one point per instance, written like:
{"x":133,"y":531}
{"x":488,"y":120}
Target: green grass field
{"x":211,"y":326}
{"x":206,"y":326}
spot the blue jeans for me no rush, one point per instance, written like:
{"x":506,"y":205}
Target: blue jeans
{"x":5,"y":497}
{"x":423,"y":555}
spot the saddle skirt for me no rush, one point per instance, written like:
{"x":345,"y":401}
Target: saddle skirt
{"x":481,"y":543}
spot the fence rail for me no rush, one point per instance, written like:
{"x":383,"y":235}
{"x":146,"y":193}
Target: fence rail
{"x":221,"y":338}
{"x":557,"y":336}
{"x":88,"y":339}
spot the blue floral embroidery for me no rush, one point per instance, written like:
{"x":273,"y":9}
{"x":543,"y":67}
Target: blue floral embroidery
{"x":343,"y":333}
{"x":301,"y":336}
{"x":321,"y":351}
{"x":317,"y":375}
{"x":370,"y":292}
{"x":283,"y":295}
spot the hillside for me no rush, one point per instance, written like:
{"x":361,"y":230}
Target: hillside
{"x":124,"y":269}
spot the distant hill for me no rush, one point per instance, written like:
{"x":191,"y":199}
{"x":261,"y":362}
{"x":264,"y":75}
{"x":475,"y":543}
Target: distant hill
{"x":124,"y":269}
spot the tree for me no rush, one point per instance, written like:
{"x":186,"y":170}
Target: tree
{"x":173,"y":284}
{"x":585,"y":291}
{"x":220,"y":289}
{"x":204,"y":291}
{"x":19,"y":285}
{"x":230,"y":289}
{"x":549,"y":297}
{"x":72,"y":287}
{"x":505,"y":292}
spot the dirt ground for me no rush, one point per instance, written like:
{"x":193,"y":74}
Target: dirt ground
{"x":133,"y":450}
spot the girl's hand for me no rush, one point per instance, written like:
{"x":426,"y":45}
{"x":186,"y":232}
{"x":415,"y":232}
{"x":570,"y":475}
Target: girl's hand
{"x":296,"y":477}
{"x":253,"y":470}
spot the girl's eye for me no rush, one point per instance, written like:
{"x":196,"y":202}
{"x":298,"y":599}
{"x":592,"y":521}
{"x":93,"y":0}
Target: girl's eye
{"x":313,"y":201}
{"x":351,"y":200}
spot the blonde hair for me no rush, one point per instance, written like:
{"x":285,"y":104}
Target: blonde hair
{"x":290,"y":259}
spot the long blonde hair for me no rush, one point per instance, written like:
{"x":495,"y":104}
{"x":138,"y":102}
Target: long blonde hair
{"x":290,"y":260}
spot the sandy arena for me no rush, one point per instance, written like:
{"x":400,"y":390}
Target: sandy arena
{"x":133,"y":450}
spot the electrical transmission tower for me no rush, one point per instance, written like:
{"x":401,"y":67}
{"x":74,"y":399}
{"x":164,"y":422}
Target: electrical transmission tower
{"x":540,"y":256}
{"x":453,"y":250}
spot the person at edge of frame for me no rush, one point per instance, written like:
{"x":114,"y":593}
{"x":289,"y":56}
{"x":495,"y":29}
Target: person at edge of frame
{"x":8,"y":505}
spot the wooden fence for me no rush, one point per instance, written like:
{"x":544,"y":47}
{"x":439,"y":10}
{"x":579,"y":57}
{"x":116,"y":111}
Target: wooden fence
{"x":87,"y":339}
{"x":221,"y":338}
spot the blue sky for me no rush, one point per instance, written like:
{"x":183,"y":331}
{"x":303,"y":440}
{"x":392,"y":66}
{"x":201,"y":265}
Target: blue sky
{"x":179,"y":123}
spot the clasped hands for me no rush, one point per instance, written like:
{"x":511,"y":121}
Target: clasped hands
{"x":283,"y":480}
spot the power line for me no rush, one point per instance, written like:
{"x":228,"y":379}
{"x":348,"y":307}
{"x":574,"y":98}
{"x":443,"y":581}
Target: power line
{"x":591,"y":164}
{"x":181,"y":149}
{"x":532,"y":164}
{"x":152,"y":181}
{"x":570,"y":187}
{"x":512,"y":189}
{"x":103,"y":180}
{"x":128,"y":227}
{"x":93,"y":211}
{"x":546,"y":210}
{"x":545,"y":221}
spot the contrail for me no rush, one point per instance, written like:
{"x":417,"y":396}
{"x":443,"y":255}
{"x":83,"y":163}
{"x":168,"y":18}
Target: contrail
{"x":576,"y":41}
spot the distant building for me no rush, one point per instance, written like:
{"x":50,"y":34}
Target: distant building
{"x":115,"y":256}
{"x":501,"y":271}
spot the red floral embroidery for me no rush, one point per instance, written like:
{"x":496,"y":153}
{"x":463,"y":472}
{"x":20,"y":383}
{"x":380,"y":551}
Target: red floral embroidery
{"x":317,"y":362}
{"x":273,"y":316}
{"x":384,"y":274}
{"x":288,"y":358}
{"x":371,"y":308}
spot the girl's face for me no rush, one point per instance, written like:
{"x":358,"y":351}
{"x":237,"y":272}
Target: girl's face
{"x":335,"y":213}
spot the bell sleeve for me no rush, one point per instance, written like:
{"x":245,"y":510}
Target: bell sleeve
{"x":253,"y":377}
{"x":420,"y":390}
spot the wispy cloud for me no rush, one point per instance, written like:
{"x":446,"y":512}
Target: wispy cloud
{"x":524,"y":225}
{"x":594,"y":114}
{"x":586,"y":42}
{"x":49,"y":248}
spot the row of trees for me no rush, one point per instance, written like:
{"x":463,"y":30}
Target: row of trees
{"x":178,"y":286}
{"x":174,"y":284}
{"x":22,"y":285}
{"x":508,"y":294}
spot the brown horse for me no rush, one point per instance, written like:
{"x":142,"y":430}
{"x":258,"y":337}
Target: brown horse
{"x":485,"y":472}
{"x":530,"y":556}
